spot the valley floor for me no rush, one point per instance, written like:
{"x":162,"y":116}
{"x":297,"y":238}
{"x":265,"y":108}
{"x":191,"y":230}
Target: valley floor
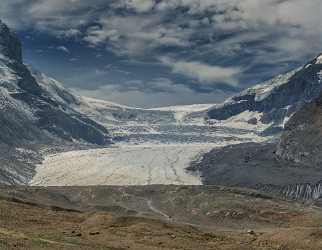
{"x":250,"y":221}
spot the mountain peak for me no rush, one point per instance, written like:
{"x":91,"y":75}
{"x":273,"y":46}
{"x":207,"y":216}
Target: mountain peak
{"x":10,"y":45}
{"x":318,"y":60}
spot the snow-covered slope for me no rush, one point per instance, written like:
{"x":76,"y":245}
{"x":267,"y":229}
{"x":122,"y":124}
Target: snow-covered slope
{"x":32,"y":116}
{"x":111,"y":113}
{"x":43,"y":101}
{"x":275,"y":100}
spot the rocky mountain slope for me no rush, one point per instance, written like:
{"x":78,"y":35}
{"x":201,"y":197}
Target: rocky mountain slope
{"x":277,"y":99}
{"x":289,"y":166}
{"x":32,"y":117}
{"x":301,"y":141}
{"x":38,"y":107}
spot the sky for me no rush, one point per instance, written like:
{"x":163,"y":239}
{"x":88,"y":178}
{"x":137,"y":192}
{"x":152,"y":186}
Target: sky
{"x":150,"y":53}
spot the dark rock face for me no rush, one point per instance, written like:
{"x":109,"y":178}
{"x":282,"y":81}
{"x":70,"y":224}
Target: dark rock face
{"x":10,"y":45}
{"x":252,"y":165}
{"x":276,"y":99}
{"x":301,"y":141}
{"x":69,"y":127}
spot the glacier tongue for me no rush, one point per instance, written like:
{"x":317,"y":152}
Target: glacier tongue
{"x":151,"y":146}
{"x":122,"y":165}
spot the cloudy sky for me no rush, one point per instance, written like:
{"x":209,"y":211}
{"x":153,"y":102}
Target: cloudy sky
{"x":165,"y":52}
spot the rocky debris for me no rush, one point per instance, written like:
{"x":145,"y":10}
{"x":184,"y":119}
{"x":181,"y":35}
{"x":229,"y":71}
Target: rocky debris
{"x":250,"y":232}
{"x":302,"y":192}
{"x":94,"y":233}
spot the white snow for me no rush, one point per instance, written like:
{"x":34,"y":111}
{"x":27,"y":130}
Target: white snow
{"x":127,"y":163}
{"x":319,"y":59}
{"x":49,"y":84}
{"x":186,"y":108}
{"x":181,"y":112}
{"x":104,"y":104}
{"x":121,"y":165}
{"x":8,"y":78}
{"x":241,"y":121}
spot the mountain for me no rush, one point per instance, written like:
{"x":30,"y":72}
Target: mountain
{"x":45,"y":109}
{"x":276,"y":100}
{"x":288,"y":165}
{"x":301,"y":141}
{"x":238,"y":149}
{"x":34,"y":116}
{"x":236,"y":143}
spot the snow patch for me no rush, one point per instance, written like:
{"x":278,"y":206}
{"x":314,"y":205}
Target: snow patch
{"x":319,"y":59}
{"x":181,"y":112}
{"x":247,"y":120}
{"x":186,"y":108}
{"x":104,"y":104}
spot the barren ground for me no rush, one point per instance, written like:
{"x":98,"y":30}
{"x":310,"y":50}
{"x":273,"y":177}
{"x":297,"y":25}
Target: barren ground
{"x":220,"y":219}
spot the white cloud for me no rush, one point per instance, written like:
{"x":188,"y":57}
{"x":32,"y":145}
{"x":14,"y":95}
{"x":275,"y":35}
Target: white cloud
{"x":63,"y":49}
{"x":204,"y":73}
{"x":71,"y":33}
{"x":178,"y":94}
{"x":156,"y":23}
{"x":136,"y":35}
{"x":257,"y":31}
{"x":138,"y":5}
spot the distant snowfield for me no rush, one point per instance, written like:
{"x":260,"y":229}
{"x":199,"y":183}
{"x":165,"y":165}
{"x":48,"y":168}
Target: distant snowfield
{"x":121,"y":165}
